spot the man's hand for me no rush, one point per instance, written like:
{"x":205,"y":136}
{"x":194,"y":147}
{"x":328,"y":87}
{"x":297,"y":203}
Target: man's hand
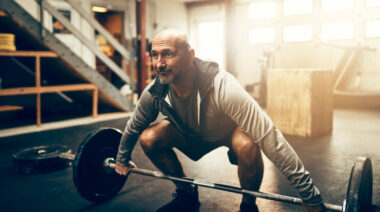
{"x":123,"y":170}
{"x":314,"y":208}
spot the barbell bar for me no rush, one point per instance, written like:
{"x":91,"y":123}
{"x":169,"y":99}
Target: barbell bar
{"x":109,"y":166}
{"x":96,"y":180}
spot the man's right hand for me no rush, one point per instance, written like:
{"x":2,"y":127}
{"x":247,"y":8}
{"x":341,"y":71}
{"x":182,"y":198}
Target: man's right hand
{"x":314,"y":208}
{"x":122,"y":169}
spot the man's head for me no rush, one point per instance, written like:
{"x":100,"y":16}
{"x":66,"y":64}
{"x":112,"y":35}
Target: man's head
{"x":171,"y":55}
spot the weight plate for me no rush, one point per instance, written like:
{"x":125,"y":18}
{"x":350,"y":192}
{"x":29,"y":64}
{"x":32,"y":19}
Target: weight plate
{"x":7,"y":35}
{"x":8,"y":48}
{"x":41,"y":159}
{"x":359,"y":192}
{"x":92,"y":181}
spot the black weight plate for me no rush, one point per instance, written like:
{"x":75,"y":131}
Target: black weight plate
{"x":359,"y":192}
{"x":41,"y":159}
{"x":90,"y":178}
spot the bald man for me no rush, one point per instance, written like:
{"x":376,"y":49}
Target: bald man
{"x":205,"y":108}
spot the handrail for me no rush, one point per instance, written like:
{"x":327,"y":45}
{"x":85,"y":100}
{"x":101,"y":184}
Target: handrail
{"x":107,"y":61}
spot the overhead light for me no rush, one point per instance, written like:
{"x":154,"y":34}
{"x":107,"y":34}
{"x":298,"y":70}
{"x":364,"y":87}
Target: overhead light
{"x":99,"y":9}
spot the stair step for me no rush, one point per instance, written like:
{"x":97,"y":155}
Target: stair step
{"x":4,"y":108}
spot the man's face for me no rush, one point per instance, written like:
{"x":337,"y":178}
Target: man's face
{"x":170,"y":59}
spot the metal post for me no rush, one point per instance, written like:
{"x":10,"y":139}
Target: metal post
{"x":38,"y":86}
{"x":228,"y":35}
{"x":141,"y":46}
{"x":42,"y":8}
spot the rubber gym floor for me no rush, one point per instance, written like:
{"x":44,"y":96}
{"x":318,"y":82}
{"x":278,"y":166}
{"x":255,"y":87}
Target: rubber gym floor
{"x":328,"y":158}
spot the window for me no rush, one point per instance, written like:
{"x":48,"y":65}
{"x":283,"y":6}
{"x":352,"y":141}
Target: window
{"x":373,"y":3}
{"x":262,"y":10}
{"x":297,"y":33}
{"x":337,"y":5}
{"x":335,"y":31}
{"x":372,"y":29}
{"x":262,"y":35}
{"x":297,"y":7}
{"x":210,"y":41}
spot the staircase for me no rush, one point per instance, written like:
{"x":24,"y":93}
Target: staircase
{"x":67,"y":67}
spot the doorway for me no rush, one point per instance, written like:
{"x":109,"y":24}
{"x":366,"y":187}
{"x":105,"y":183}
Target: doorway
{"x":210,"y":45}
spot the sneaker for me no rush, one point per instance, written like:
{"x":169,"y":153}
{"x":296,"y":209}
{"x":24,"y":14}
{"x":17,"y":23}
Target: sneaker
{"x":248,"y":207}
{"x":183,"y":201}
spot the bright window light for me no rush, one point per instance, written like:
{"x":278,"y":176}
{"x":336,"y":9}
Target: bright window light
{"x":335,"y":31}
{"x":373,"y":3}
{"x":261,"y":10}
{"x":336,"y":5}
{"x":210,"y":45}
{"x":297,"y":7}
{"x":298,"y":33}
{"x":372,"y":29}
{"x":262,"y":35}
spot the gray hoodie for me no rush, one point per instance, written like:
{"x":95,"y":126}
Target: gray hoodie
{"x":223,"y":105}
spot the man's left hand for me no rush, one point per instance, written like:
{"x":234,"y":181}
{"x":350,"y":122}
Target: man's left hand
{"x":314,"y":208}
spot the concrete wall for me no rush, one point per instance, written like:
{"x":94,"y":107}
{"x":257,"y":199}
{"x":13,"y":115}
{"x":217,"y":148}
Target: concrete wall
{"x":168,"y":14}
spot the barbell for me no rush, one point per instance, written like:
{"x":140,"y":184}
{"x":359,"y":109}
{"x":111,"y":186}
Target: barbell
{"x":95,"y":178}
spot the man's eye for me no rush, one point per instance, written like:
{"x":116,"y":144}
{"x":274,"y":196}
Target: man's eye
{"x":154,"y":55}
{"x":167,"y":54}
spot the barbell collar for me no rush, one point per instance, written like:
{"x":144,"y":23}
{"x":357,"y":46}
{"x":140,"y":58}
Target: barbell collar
{"x":67,"y":156}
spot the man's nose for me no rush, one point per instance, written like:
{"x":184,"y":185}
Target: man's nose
{"x":160,"y":63}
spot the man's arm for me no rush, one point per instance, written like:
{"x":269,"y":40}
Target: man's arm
{"x":235,"y":102}
{"x":143,"y":114}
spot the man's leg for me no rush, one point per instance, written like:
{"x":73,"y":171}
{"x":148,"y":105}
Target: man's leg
{"x":250,"y":163}
{"x":158,"y":141}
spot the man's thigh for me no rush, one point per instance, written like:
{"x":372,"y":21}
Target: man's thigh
{"x":166,"y":135}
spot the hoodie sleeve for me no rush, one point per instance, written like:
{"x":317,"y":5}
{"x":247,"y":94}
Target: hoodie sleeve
{"x":143,"y":114}
{"x":236,"y":103}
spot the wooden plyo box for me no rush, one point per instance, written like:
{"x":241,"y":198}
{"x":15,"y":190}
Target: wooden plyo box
{"x":300,"y":101}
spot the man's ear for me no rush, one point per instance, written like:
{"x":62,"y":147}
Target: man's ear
{"x":192,"y":54}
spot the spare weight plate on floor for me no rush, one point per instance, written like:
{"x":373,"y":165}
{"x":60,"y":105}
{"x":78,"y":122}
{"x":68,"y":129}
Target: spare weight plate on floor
{"x":91,"y":179}
{"x":41,"y":159}
{"x":359,"y":192}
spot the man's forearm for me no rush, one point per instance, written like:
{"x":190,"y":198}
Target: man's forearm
{"x":278,"y":150}
{"x":127,"y":143}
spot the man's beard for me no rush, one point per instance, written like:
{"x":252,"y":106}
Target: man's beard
{"x":168,"y":76}
{"x":167,"y":80}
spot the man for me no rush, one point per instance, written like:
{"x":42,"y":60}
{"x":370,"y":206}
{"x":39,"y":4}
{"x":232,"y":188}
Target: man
{"x":206,"y":108}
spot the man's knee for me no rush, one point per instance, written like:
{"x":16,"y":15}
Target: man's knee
{"x":154,"y":137}
{"x":245,"y":149}
{"x":148,"y":139}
